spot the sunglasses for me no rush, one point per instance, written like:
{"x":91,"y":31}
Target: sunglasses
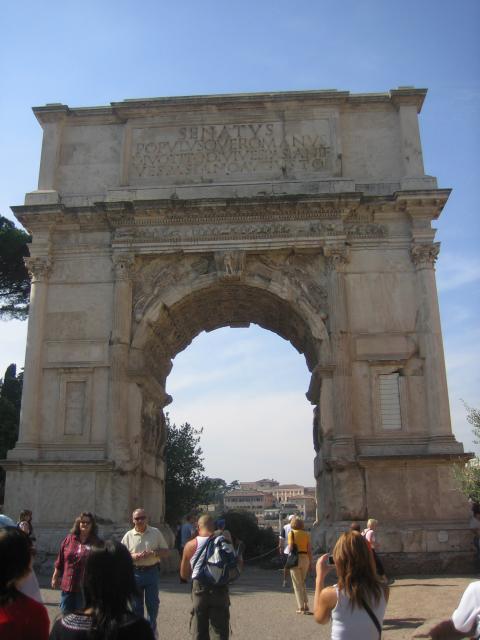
{"x":85,"y":522}
{"x":141,"y":518}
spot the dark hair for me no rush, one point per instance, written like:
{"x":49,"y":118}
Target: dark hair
{"x":109,"y":587}
{"x":76,"y":525}
{"x":24,"y":514}
{"x":15,"y":556}
{"x":356,"y":526}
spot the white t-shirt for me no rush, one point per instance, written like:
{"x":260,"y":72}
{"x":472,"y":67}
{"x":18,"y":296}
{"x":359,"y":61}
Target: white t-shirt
{"x":149,"y":540}
{"x":468,"y":611}
{"x":348,"y":623}
{"x":285,"y":531}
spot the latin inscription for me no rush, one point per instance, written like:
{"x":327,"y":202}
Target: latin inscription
{"x":234,"y":151}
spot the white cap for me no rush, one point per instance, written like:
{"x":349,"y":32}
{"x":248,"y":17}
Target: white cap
{"x":291,"y":517}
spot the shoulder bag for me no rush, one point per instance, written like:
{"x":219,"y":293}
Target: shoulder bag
{"x":292,"y":558}
{"x":373,"y":618}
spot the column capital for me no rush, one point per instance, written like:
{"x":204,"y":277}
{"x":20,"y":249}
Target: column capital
{"x":424,"y":254}
{"x":38,"y":267}
{"x":123,"y":265}
{"x":336,"y":256}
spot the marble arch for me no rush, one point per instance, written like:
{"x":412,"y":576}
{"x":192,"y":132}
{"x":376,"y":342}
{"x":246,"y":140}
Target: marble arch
{"x":309,"y":213}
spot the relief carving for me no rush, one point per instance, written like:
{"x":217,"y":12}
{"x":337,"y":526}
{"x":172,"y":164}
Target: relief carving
{"x":154,"y":277}
{"x":336,"y":256}
{"x":234,"y":231}
{"x":124,"y":266}
{"x":230,"y":264}
{"x":425,"y":254}
{"x":153,"y":427}
{"x":369,"y":230}
{"x":39,"y":268}
{"x":300,"y":273}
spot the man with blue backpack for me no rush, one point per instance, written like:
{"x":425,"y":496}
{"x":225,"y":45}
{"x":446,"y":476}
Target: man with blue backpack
{"x":212,"y":564}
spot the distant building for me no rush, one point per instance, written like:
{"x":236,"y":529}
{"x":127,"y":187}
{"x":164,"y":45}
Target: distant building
{"x":259,"y":485}
{"x":306,"y":506}
{"x":285,"y":492}
{"x":244,"y":500}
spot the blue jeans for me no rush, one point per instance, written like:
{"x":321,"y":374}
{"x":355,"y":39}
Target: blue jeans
{"x":71,"y":601}
{"x":148,"y":583}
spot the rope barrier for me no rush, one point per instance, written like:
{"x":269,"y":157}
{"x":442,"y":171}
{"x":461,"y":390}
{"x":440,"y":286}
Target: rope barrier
{"x":262,"y":555}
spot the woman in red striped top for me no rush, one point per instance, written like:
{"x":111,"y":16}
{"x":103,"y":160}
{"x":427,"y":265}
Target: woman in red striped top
{"x":71,"y":560}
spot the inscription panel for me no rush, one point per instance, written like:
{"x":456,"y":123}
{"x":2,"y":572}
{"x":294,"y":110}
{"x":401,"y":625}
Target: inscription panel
{"x":75,"y":393}
{"x":209,"y":153}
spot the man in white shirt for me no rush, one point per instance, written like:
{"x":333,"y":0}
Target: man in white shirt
{"x":466,"y":616}
{"x":283,"y":547}
{"x":146,"y":545}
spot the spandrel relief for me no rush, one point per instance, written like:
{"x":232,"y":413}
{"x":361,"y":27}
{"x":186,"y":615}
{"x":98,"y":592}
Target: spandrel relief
{"x":301,"y":273}
{"x":153,"y":428}
{"x":158,"y":275}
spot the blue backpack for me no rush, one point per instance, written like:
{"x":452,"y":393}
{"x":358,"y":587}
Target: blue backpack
{"x":217,"y":562}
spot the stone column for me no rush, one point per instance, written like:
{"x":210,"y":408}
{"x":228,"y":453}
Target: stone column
{"x":336,"y":258}
{"x":28,"y":438}
{"x":120,"y":342}
{"x":429,"y":331}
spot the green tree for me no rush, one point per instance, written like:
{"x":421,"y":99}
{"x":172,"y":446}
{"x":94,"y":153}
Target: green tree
{"x":468,"y":476}
{"x":14,"y":279}
{"x":214,"y":490}
{"x":185,"y":480}
{"x":243,"y":526}
{"x":10,"y":399}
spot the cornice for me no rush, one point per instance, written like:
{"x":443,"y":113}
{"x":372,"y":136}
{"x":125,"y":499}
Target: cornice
{"x":348,"y":215}
{"x":121,"y":111}
{"x":58,"y":466}
{"x":427,"y":203}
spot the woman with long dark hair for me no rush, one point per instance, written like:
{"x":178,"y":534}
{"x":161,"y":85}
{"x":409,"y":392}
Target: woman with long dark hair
{"x":71,"y":560}
{"x":356,"y":604}
{"x":21,"y":617}
{"x":109,"y":587}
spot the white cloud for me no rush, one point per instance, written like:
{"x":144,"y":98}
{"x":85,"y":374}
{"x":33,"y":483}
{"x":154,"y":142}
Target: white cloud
{"x":248,"y":437}
{"x":454,"y":271}
{"x":13,"y":338}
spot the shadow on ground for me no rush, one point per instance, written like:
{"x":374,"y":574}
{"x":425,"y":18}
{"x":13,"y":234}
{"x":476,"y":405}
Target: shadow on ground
{"x":391,"y":624}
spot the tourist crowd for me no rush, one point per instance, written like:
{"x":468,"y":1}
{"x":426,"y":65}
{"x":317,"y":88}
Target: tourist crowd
{"x":105,"y":585}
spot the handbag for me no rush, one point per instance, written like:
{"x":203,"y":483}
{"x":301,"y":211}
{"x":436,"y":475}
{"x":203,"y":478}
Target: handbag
{"x":292,"y":558}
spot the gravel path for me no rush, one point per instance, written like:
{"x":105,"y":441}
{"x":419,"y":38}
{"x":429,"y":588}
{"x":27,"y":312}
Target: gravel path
{"x":262,"y":610}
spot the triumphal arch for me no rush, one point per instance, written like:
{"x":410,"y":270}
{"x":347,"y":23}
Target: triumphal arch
{"x":308,"y":213}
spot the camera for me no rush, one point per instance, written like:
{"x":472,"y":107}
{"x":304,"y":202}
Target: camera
{"x":330,"y":560}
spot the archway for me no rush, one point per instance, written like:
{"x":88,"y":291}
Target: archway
{"x":169,"y":316}
{"x":246,"y":388}
{"x":146,"y":232}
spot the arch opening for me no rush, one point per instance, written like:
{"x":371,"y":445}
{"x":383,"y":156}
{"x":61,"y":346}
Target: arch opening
{"x":166,"y":330}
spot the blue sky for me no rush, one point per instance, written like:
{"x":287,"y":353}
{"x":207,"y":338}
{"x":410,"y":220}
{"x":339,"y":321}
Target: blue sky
{"x":250,"y":383}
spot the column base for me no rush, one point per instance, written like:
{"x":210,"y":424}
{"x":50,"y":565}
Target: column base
{"x":414,"y":548}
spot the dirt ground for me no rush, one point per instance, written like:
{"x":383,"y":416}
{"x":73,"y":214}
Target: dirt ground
{"x":261,"y":608}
